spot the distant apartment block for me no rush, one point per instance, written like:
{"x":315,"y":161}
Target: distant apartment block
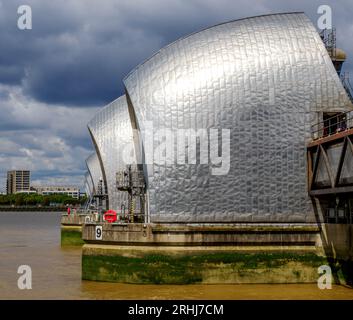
{"x":18,"y":181}
{"x":73,"y":192}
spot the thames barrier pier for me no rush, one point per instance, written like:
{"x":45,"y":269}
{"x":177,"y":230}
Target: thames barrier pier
{"x":167,"y":253}
{"x":227,"y":160}
{"x":71,"y":224}
{"x":71,"y":229}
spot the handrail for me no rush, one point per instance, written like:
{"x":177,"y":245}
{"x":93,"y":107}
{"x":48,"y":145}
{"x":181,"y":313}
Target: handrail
{"x":336,"y":124}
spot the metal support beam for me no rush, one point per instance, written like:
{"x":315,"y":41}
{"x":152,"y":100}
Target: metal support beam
{"x":321,"y":146}
{"x":310,"y":168}
{"x":340,"y":163}
{"x":321,"y":192}
{"x":316,"y":164}
{"x":328,"y":166}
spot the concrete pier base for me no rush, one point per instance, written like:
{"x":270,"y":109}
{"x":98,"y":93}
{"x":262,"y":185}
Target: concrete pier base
{"x":278,"y":235}
{"x":71,"y":229}
{"x":207,"y":265}
{"x":201,"y":253}
{"x":337,"y":241}
{"x":71,"y":236}
{"x":211,"y":253}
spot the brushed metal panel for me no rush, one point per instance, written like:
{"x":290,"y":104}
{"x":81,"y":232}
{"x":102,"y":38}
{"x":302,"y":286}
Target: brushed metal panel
{"x":112,"y":134}
{"x":94,"y":170}
{"x":88,"y":185}
{"x":264,"y":78}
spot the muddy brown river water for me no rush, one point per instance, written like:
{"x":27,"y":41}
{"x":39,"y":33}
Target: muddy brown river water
{"x":31,"y":238}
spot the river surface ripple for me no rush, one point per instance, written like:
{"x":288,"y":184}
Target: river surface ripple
{"x":33,"y":238}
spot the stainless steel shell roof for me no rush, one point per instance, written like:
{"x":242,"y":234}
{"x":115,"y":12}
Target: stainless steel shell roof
{"x":94,"y":169}
{"x":88,"y":185}
{"x":263,"y":78}
{"x":112,"y":134}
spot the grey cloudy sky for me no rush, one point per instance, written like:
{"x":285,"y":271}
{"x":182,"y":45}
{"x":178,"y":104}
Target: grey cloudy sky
{"x":54,"y":77}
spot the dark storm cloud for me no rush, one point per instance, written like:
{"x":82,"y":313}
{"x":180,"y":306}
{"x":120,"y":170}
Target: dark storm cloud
{"x":53,"y":77}
{"x":76,"y":54}
{"x":79,"y":51}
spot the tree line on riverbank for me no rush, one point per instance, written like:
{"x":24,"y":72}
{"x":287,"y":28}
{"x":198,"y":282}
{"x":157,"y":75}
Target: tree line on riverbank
{"x":21,"y":199}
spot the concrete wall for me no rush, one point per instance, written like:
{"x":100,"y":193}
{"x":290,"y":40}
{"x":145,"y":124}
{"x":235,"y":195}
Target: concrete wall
{"x":73,"y":219}
{"x":338,"y":241}
{"x":185,"y":265}
{"x":71,"y":235}
{"x":233,"y":253}
{"x":305,"y":236}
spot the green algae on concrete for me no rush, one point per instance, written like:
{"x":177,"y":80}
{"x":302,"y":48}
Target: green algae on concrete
{"x":195,"y":267}
{"x":71,"y":236}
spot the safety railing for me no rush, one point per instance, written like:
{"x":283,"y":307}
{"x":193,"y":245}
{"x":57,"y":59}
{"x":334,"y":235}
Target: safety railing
{"x":335,"y":124}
